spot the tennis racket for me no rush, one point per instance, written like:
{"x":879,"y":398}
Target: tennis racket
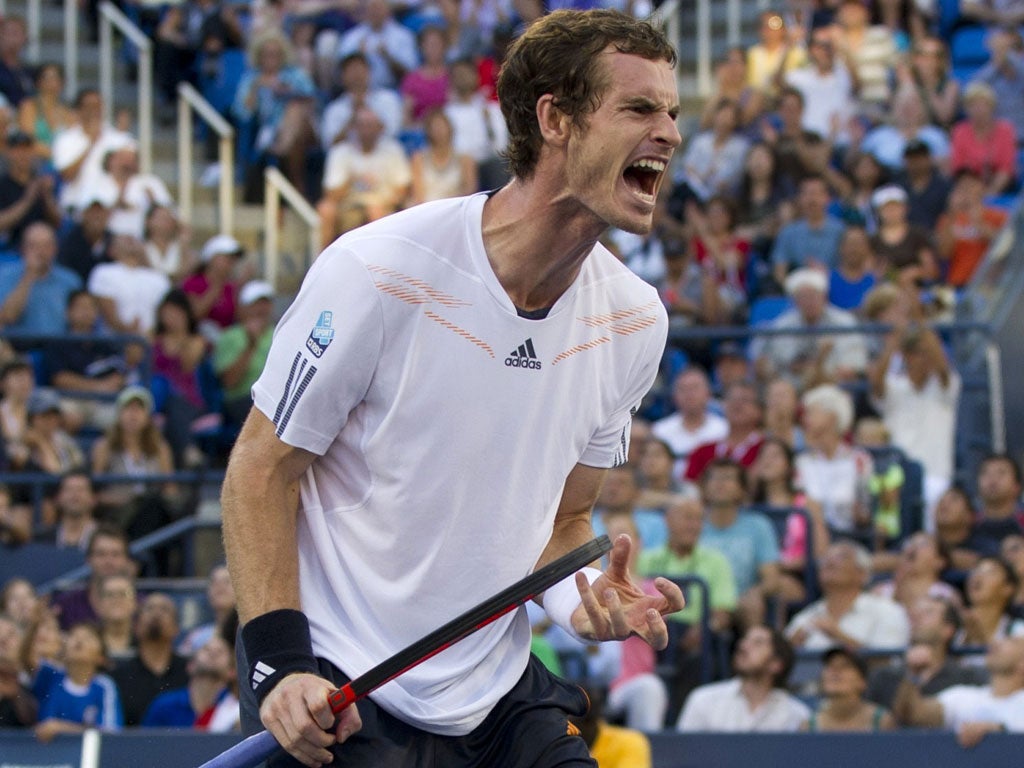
{"x":258,"y":747}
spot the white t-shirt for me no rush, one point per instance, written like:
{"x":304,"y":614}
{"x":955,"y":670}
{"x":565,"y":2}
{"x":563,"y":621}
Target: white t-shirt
{"x":141,"y":192}
{"x":385,"y":103}
{"x":975,"y":704}
{"x":379,"y":172}
{"x":68,"y":146}
{"x":827,"y":98}
{"x":922,"y":422}
{"x":135,"y":291}
{"x":478,"y":129}
{"x":873,"y":621}
{"x":445,"y":426}
{"x":673,"y":431}
{"x":722,"y":707}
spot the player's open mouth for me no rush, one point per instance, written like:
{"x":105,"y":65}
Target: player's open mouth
{"x":642,"y":177}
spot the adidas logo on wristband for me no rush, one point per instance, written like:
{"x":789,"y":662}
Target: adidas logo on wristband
{"x":261,"y":672}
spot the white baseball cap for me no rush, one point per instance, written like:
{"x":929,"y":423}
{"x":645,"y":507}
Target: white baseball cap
{"x":255,"y":290}
{"x":806,"y":278}
{"x":888,"y":194}
{"x":219,"y":244}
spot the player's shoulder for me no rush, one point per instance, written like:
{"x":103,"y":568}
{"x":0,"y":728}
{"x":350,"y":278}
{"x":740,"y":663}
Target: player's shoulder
{"x":606,"y":275}
{"x":436,"y":227}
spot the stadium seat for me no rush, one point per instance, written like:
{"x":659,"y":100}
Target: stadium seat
{"x":949,"y":15}
{"x":967,"y":51}
{"x":767,"y":308}
{"x":37,"y":562}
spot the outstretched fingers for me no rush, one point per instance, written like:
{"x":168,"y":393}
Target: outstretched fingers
{"x":672,"y":593}
{"x":596,"y":614}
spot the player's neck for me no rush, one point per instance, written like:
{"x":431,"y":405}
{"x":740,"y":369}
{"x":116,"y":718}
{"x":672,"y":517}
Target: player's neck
{"x":536,"y":243}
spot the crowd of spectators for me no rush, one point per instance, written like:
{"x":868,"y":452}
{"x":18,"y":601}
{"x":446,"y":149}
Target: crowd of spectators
{"x":841,"y":173}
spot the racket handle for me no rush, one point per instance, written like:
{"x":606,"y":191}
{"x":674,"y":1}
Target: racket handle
{"x":247,"y":753}
{"x":342,"y":698}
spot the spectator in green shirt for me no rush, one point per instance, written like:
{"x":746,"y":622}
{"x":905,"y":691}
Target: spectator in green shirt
{"x":241,"y":351}
{"x":683,"y":556}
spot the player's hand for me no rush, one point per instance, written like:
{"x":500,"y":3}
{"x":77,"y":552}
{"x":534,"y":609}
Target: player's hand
{"x":613,"y":607}
{"x":299,"y":716}
{"x":969,"y":735}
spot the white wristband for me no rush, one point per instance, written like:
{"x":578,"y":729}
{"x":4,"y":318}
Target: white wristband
{"x":562,"y":600}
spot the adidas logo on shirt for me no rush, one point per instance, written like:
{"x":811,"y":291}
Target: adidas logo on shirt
{"x":523,"y":357}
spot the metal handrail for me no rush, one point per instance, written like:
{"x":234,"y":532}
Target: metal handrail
{"x":667,"y":15}
{"x":276,"y":187}
{"x":111,"y":17}
{"x":189,"y":101}
{"x":70,"y":49}
{"x":140,"y":546}
{"x":32,"y":27}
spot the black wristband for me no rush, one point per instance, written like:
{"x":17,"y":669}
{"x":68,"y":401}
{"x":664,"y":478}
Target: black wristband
{"x":277,"y":644}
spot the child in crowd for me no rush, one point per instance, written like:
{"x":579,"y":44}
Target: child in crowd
{"x":77,"y":696}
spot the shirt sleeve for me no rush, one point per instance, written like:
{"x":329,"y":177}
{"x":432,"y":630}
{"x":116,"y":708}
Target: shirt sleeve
{"x":336,"y":173}
{"x":692,"y":719}
{"x":324,"y":353}
{"x":67,"y":148}
{"x":767,"y":542}
{"x":111,"y":718}
{"x":609,"y":446}
{"x":892,"y":630}
{"x":229,"y":346}
{"x":722,"y":590}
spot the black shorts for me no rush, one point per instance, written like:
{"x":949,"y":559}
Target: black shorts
{"x":528,"y":728}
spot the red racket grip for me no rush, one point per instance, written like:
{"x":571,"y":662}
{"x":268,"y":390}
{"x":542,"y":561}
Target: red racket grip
{"x":342,"y":698}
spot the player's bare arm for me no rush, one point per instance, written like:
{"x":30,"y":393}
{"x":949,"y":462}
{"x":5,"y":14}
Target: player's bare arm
{"x":260,"y":501}
{"x":612,"y":607}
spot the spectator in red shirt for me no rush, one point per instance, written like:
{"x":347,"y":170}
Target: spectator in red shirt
{"x":983,"y":143}
{"x":743,"y":413}
{"x":966,"y":228}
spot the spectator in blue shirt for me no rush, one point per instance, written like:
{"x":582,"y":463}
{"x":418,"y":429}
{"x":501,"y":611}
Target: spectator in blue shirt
{"x":35,"y":290}
{"x":747,"y":539}
{"x":854,"y":275}
{"x":811,"y":240}
{"x":78,"y":696}
{"x":207,"y":702}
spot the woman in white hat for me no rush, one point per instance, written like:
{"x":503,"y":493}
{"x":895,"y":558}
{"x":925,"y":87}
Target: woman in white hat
{"x":212,"y":288}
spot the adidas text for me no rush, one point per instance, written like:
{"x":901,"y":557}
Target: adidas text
{"x":519,"y":362}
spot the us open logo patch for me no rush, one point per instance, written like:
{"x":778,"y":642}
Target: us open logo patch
{"x":322,"y":335}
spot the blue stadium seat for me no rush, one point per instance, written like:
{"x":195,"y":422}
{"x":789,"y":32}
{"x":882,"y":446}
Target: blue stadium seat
{"x":37,"y":562}
{"x":967,"y":47}
{"x":767,"y":308}
{"x":949,"y":15}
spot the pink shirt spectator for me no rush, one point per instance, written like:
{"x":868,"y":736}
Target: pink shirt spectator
{"x":223,"y":310}
{"x":425,"y":93}
{"x":638,"y":657}
{"x":996,"y":152}
{"x":794,"y":540}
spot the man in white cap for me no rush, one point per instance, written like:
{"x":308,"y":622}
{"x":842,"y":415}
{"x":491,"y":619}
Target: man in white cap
{"x":241,"y":351}
{"x":810,"y":358}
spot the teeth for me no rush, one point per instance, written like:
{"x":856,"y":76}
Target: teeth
{"x":653,"y":165}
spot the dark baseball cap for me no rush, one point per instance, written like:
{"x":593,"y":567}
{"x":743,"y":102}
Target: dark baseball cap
{"x":855,"y":659}
{"x":917,"y":147}
{"x":18,"y":138}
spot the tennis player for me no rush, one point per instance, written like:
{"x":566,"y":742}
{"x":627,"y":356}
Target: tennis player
{"x":436,"y":416}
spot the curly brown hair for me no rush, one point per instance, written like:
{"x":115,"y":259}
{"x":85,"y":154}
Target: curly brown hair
{"x":558,"y":55}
